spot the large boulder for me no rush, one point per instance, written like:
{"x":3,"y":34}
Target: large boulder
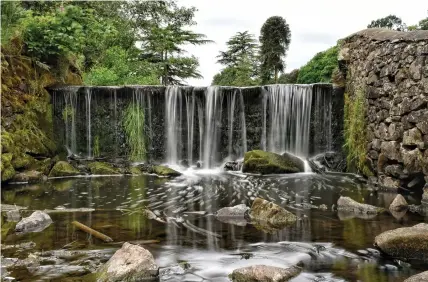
{"x":328,"y":161}
{"x":63,"y":168}
{"x":398,"y":204}
{"x":129,"y":263}
{"x":405,"y":242}
{"x":262,"y":162}
{"x":265,"y":273}
{"x":266,"y":212}
{"x":234,"y":215}
{"x":421,"y":277}
{"x":102,"y":168}
{"x":347,"y":204}
{"x":36,"y":222}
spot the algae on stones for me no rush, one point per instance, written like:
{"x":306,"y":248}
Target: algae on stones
{"x":103,"y":168}
{"x":63,"y":168}
{"x":262,"y":162}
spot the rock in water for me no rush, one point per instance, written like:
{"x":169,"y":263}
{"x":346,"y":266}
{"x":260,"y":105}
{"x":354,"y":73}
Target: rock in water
{"x":274,"y":215}
{"x":421,"y":277}
{"x":262,"y":162}
{"x":30,"y":176}
{"x":36,"y":222}
{"x":129,"y":263}
{"x":425,"y":195}
{"x":398,"y":204}
{"x":406,"y":242}
{"x":256,"y":273}
{"x":63,"y":168}
{"x":347,"y":204}
{"x":103,"y":168}
{"x":234,"y":215}
{"x":13,"y":215}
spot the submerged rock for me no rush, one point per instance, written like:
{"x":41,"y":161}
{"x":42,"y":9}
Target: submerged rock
{"x":63,"y":168}
{"x":347,"y":204}
{"x":263,"y":211}
{"x":36,"y":222}
{"x":398,"y":204}
{"x":103,"y":168}
{"x":262,"y":162}
{"x":421,"y":277}
{"x":406,"y":242}
{"x":264,"y":273}
{"x":236,"y":215}
{"x":129,"y":263}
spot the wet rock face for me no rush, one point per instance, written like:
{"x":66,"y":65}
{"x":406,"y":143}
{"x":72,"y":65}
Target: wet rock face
{"x":36,"y":222}
{"x":329,"y":161}
{"x":394,"y":72}
{"x":406,"y":242}
{"x":264,"y":273}
{"x":349,"y":205}
{"x":421,"y":277}
{"x":398,"y":204}
{"x":129,"y":263}
{"x":262,"y":162}
{"x":268,"y":214}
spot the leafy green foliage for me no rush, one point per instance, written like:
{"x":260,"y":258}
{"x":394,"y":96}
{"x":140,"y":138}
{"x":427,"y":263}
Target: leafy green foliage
{"x":11,"y":13}
{"x":275,"y":37}
{"x":289,"y":78}
{"x":119,"y":67}
{"x":355,"y":132}
{"x":135,"y":132}
{"x":240,"y":60}
{"x":391,"y":22}
{"x":320,"y":68}
{"x":57,"y":34}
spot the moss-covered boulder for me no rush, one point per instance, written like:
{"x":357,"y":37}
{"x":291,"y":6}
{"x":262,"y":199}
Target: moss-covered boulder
{"x":22,"y":161}
{"x":270,"y":215}
{"x":135,"y":170}
{"x":165,"y":171}
{"x":406,"y":242}
{"x":63,"y":168}
{"x":103,"y":168}
{"x":7,"y":170}
{"x":262,"y":162}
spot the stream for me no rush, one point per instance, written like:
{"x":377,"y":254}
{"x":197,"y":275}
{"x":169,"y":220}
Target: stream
{"x":191,"y":244}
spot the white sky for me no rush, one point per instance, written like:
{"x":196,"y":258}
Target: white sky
{"x":315,"y":24}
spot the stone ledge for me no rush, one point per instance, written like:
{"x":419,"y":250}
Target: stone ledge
{"x":383,"y":34}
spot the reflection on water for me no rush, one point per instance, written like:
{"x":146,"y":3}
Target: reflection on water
{"x":331,"y":246}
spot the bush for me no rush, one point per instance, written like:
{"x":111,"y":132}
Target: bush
{"x":320,"y":67}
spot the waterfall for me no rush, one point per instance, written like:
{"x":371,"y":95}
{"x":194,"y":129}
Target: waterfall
{"x":190,"y":113}
{"x":88,"y":123}
{"x":69,"y":116}
{"x":172,"y":95}
{"x":286,"y":119}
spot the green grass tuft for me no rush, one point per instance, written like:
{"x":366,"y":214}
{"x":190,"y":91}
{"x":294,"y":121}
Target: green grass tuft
{"x":135,"y":133}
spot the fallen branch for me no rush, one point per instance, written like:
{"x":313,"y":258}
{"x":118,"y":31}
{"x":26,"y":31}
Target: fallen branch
{"x":91,"y":231}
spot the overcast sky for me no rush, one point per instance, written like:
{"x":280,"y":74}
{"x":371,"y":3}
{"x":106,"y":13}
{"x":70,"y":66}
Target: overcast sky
{"x":315,"y":24}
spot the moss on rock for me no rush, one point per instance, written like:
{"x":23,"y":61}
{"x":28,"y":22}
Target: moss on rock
{"x":262,"y":162}
{"x":165,"y":171}
{"x":7,"y":170}
{"x":265,"y":213}
{"x":63,"y":168}
{"x":22,"y":161}
{"x":135,"y":170}
{"x":103,"y":168}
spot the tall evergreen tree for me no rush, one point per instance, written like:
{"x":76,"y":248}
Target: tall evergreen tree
{"x":275,"y":37}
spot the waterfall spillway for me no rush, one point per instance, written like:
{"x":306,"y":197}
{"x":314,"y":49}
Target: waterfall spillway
{"x":286,"y":119}
{"x":203,"y":126}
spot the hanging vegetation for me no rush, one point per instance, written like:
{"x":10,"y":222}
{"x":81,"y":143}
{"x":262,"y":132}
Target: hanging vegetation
{"x":134,"y":129}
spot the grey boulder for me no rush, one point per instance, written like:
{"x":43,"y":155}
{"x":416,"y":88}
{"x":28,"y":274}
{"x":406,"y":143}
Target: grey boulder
{"x":265,"y":273}
{"x":398,"y":204}
{"x":421,"y":277}
{"x":36,"y":222}
{"x":347,"y":204}
{"x":236,"y":215}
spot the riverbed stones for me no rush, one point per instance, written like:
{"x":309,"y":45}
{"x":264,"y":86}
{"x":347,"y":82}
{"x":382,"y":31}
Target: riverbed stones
{"x":347,"y":204}
{"x":63,"y":168}
{"x":129,"y":263}
{"x":398,"y":204}
{"x":263,"y":211}
{"x":262,"y":162}
{"x":421,"y":277}
{"x":405,"y":242}
{"x":265,"y":273}
{"x":36,"y":222}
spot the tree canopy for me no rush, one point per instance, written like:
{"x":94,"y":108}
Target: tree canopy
{"x":320,"y":67}
{"x":275,"y":37}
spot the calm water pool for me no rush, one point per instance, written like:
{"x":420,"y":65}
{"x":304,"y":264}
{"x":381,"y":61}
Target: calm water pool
{"x":332,"y":246}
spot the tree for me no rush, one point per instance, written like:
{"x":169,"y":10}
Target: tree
{"x":163,"y":30}
{"x":391,"y":22}
{"x":289,"y":78}
{"x":320,"y":68}
{"x":275,"y":37}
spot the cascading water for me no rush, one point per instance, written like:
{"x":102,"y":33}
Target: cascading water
{"x":88,"y":123}
{"x":69,"y":116}
{"x":286,"y":119}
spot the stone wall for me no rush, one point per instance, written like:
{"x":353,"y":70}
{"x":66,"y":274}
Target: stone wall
{"x":391,"y":68}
